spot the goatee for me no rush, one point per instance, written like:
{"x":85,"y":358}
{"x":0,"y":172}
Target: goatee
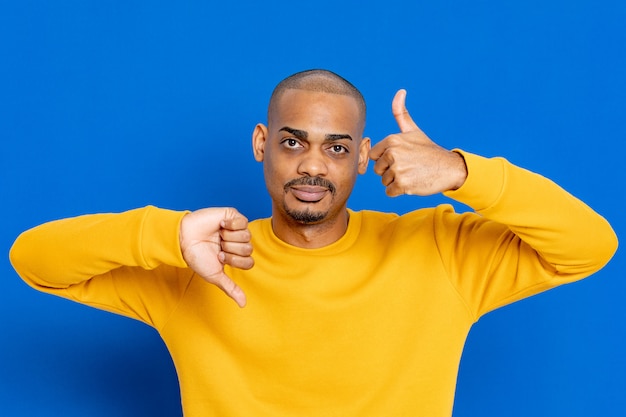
{"x":308,"y":216}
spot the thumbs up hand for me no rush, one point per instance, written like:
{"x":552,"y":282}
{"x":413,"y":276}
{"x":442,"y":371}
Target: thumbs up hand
{"x":410,"y":163}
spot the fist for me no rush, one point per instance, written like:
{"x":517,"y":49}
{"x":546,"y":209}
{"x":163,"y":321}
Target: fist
{"x":409,"y":162}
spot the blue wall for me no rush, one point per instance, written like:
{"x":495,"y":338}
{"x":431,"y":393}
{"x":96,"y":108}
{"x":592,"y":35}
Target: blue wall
{"x":106,"y":106}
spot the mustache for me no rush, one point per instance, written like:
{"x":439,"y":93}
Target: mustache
{"x":313,"y":181}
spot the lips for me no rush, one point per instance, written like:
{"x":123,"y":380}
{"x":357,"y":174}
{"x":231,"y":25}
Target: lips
{"x":308,"y":193}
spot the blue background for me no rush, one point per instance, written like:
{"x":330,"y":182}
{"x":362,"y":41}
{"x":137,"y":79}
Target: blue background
{"x":107,"y":106}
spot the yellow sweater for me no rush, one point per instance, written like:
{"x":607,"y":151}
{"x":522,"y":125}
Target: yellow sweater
{"x":371,"y":325}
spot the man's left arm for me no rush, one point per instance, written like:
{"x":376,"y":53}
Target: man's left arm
{"x":553,"y":227}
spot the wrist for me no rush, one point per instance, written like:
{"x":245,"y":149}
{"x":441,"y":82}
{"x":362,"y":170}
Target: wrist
{"x":459,"y":170}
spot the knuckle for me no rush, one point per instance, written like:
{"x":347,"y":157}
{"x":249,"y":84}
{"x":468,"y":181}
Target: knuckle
{"x":394,"y":139}
{"x":244,"y":262}
{"x":247,"y":249}
{"x":393,"y":192}
{"x":249,"y":263}
{"x":390,"y":156}
{"x":228,"y":285}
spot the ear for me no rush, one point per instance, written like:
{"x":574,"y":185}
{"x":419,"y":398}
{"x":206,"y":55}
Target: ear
{"x":259,"y":137}
{"x":364,"y":158}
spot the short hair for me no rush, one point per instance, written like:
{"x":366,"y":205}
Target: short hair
{"x":320,"y":80}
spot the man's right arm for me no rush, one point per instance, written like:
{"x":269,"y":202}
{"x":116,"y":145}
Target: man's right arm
{"x":118,"y":262}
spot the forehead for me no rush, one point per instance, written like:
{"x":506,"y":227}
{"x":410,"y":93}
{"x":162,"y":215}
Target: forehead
{"x":321,"y":109}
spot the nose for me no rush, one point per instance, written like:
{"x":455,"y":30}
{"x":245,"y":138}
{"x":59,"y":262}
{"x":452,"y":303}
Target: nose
{"x":313,"y":164}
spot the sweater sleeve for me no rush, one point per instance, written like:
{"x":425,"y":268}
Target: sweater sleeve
{"x":127,"y":263}
{"x":529,"y":235}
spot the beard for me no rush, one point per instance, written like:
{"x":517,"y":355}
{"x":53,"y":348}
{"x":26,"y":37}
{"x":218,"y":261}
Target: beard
{"x":309,"y":216}
{"x":306,"y":216}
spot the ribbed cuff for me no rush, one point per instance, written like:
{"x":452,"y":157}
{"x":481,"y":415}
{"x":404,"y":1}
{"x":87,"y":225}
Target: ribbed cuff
{"x":160,"y":237}
{"x":484,"y":184}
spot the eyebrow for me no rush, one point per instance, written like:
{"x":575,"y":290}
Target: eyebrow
{"x":337,"y":136}
{"x":302,"y":134}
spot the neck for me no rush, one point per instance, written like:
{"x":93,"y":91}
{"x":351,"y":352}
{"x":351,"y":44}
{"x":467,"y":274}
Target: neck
{"x":310,"y":236}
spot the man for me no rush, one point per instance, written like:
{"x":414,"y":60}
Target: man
{"x":346,"y":313}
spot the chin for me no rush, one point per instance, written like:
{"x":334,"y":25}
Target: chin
{"x":307,"y":216}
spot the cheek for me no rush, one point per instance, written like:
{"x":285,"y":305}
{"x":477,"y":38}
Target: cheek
{"x":276,"y":174}
{"x":271,"y":177}
{"x":346,"y":178}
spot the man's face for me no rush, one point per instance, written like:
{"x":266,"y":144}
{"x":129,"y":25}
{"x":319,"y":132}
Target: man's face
{"x":312,"y":150}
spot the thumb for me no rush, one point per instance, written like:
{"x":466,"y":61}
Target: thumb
{"x":401,"y":114}
{"x":229,"y":287}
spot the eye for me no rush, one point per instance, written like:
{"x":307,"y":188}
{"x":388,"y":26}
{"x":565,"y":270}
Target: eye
{"x":339,"y":149}
{"x":290,"y":143}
